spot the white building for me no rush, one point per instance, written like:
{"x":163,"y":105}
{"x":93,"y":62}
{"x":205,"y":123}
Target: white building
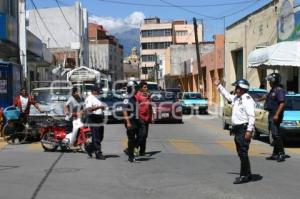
{"x":63,"y":31}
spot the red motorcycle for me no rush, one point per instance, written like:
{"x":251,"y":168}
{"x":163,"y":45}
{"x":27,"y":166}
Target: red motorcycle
{"x":55,"y":135}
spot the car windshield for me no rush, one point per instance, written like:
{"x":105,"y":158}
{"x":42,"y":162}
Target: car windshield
{"x":192,"y":96}
{"x":257,"y":94}
{"x":152,"y":87}
{"x":49,"y":95}
{"x":292,"y":103}
{"x":109,"y":97}
{"x":163,"y":97}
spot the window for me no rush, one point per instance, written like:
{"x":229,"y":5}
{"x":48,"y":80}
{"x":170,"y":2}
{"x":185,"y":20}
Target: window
{"x":181,"y":33}
{"x":148,"y":58}
{"x":156,"y":45}
{"x":156,"y":33}
{"x":9,"y":7}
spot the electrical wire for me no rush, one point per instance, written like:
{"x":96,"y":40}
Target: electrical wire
{"x":43,"y":22}
{"x":184,"y":6}
{"x":185,"y":9}
{"x":68,"y":23}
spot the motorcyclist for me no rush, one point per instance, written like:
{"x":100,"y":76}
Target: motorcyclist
{"x":73,"y":109}
{"x":131,"y":120}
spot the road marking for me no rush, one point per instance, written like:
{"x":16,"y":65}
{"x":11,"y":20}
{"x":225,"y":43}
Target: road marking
{"x":36,"y":146}
{"x":293,"y":150}
{"x":186,"y":147}
{"x":3,"y":145}
{"x":255,"y":149}
{"x":124,"y":143}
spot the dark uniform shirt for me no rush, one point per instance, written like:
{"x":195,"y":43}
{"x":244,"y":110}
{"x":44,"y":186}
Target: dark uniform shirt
{"x":130,"y":105}
{"x":274,"y":98}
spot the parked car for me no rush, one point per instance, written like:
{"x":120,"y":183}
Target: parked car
{"x":255,"y":93}
{"x":176,"y":91}
{"x":114,"y":110}
{"x":193,"y":101}
{"x":52,"y":99}
{"x":290,"y":126}
{"x":165,"y":107}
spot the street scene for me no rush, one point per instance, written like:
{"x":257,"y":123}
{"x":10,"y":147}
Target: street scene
{"x":149,"y":99}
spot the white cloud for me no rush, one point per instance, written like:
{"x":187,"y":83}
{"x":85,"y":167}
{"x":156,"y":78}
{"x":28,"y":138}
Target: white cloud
{"x":116,"y":25}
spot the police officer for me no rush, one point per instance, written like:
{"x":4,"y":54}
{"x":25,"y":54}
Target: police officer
{"x":275,"y":105}
{"x":131,"y":119}
{"x":243,"y":120}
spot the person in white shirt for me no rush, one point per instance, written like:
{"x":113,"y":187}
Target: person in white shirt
{"x":94,"y":107}
{"x":243,"y":120}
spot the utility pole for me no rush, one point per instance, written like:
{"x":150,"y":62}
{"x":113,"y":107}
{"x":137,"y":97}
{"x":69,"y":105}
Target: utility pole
{"x":185,"y":75}
{"x":200,"y":75}
{"x":156,"y":68}
{"x":22,"y":42}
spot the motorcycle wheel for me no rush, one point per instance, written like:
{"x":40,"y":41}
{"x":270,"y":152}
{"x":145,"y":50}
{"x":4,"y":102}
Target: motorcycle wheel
{"x":13,"y":135}
{"x":87,"y":144}
{"x":48,"y":142}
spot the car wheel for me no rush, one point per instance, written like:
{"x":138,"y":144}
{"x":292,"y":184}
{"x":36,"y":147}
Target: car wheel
{"x":256,"y":134}
{"x":225,"y":125}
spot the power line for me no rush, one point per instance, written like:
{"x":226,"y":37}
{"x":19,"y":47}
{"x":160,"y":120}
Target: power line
{"x":185,"y":9}
{"x":43,"y":22}
{"x":241,"y":10}
{"x":68,"y":23}
{"x":183,"y":6}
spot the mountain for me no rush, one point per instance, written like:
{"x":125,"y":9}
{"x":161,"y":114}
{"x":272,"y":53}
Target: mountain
{"x":129,"y":39}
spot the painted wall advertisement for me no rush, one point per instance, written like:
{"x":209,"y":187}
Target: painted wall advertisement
{"x":288,"y":22}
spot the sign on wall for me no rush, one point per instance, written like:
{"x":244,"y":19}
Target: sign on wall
{"x":288,"y":22}
{"x":3,"y":86}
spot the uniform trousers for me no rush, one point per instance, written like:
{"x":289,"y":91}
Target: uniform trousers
{"x":97,"y":130}
{"x":276,"y":135}
{"x":242,"y":147}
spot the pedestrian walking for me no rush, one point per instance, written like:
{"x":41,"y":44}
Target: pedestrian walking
{"x":132,"y":124}
{"x":243,"y":120}
{"x":94,"y":108}
{"x":144,"y":114}
{"x":274,"y":104}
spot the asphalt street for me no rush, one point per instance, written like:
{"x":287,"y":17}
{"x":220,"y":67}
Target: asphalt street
{"x":193,"y":160}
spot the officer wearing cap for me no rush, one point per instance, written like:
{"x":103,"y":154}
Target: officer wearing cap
{"x":94,"y":107}
{"x":243,"y":120}
{"x":274,"y":104}
{"x":131,"y":119}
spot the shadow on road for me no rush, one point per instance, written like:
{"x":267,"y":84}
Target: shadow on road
{"x":152,"y":153}
{"x":144,"y":159}
{"x":111,"y":156}
{"x":255,"y":177}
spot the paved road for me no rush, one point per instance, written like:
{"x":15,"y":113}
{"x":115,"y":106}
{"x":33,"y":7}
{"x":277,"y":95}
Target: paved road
{"x":196,"y":159}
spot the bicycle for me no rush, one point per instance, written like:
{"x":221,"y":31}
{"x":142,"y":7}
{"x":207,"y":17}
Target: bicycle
{"x":16,"y":130}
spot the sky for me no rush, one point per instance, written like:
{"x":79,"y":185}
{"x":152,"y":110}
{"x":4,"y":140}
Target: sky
{"x":119,"y":15}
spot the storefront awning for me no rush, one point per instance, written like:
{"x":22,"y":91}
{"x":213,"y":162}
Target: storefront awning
{"x":280,"y":54}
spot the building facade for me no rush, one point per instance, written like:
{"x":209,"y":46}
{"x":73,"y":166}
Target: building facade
{"x":64,"y":31}
{"x":105,"y":52}
{"x":38,"y":57}
{"x":256,"y":30}
{"x":157,"y":36}
{"x":9,"y":43}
